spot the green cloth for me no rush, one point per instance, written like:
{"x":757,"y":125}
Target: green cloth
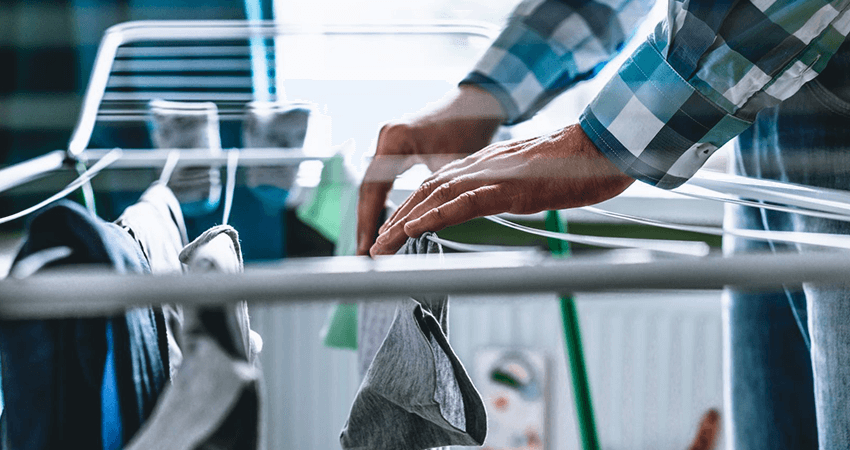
{"x":340,"y":330}
{"x":331,"y":210}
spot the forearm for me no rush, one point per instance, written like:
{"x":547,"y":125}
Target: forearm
{"x":466,"y":102}
{"x":472,"y":113}
{"x":548,"y":46}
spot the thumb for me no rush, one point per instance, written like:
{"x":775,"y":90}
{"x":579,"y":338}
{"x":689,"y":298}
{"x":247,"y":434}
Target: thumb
{"x":370,"y":207}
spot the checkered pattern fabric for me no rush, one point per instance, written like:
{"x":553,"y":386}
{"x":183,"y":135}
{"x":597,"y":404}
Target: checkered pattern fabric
{"x":697,"y":82}
{"x":549,"y":45}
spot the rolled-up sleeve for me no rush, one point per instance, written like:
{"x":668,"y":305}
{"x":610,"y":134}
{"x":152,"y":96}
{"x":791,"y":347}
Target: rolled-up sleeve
{"x":548,"y":46}
{"x":703,"y":75}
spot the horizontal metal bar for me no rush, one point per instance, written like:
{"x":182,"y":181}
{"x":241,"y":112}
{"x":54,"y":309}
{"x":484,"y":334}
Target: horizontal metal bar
{"x":141,"y":31}
{"x":87,"y":293}
{"x":136,"y":116}
{"x":690,"y":248}
{"x":21,"y":173}
{"x":712,"y":195}
{"x":229,"y":117}
{"x":29,"y":170}
{"x":142,"y":112}
{"x":178,"y":96}
{"x":748,"y":185}
{"x":176,"y":65}
{"x":179,"y":82}
{"x":809,"y":197}
{"x":154,"y":158}
{"x":184,"y":51}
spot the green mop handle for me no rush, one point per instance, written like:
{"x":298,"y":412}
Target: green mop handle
{"x":572,"y":339}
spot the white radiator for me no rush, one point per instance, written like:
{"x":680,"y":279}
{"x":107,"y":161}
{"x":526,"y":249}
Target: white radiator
{"x":654,"y":361}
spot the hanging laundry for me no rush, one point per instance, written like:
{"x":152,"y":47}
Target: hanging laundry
{"x":330,"y":209}
{"x":213,"y":401}
{"x":218,"y":250}
{"x":156,"y":223}
{"x":82,"y":383}
{"x":374,"y":320}
{"x":192,"y":125}
{"x":416,"y":393}
{"x":273,"y":125}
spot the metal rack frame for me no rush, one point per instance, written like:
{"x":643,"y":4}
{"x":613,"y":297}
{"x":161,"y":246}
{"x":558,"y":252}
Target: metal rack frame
{"x":296,"y":281}
{"x":92,"y":292}
{"x":118,"y":37}
{"x":95,"y":292}
{"x":176,"y":31}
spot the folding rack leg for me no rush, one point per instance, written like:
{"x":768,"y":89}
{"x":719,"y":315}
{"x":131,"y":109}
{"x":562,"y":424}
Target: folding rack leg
{"x":572,"y":340}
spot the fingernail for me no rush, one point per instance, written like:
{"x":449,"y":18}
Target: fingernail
{"x":411,"y":228}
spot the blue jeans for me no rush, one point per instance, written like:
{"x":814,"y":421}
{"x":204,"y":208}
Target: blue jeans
{"x":781,"y":395}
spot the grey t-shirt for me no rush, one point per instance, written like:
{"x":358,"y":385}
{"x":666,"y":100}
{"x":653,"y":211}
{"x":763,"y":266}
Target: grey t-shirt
{"x":416,"y":393}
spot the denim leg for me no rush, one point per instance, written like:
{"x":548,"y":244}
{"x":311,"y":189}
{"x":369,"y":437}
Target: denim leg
{"x":803,"y":140}
{"x":771,"y":404}
{"x":829,"y":322}
{"x":828,"y":317}
{"x":768,"y":375}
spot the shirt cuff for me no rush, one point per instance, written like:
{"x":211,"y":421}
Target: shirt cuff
{"x":654,"y":125}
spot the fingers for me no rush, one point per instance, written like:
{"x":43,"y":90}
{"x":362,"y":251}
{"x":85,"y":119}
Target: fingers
{"x":441,"y":181}
{"x":391,"y":159}
{"x":709,"y":431}
{"x":451,"y":171}
{"x":414,"y":199}
{"x":374,"y":190}
{"x":370,"y":203}
{"x":469,"y":205}
{"x":428,"y":196}
{"x":442,"y":209}
{"x":453,"y":168}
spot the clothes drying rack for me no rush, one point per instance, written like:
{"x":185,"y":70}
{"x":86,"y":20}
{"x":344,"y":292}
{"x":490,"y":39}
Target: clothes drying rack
{"x":137,"y":62}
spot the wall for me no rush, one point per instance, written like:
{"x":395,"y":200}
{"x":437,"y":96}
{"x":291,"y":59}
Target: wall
{"x":654,"y":361}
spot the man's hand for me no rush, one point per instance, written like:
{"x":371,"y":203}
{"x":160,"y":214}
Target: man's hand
{"x":562,"y":170}
{"x":463,"y":123}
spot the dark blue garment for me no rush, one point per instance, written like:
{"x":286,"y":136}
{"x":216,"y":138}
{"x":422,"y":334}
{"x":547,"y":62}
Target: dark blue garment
{"x":54,"y":370}
{"x":783,"y":397}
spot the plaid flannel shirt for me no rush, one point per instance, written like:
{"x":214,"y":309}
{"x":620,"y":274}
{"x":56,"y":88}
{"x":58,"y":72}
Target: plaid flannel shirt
{"x":698,"y":81}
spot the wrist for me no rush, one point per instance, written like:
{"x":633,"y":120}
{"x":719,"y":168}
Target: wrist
{"x":474,"y":101}
{"x":465,"y":103}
